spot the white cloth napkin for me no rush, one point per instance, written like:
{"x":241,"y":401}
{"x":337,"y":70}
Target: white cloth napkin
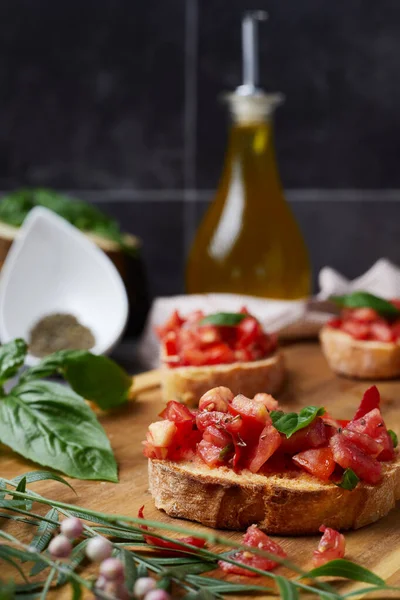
{"x":289,"y":318}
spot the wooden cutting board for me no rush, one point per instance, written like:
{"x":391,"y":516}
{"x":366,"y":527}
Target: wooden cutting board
{"x":309,"y":382}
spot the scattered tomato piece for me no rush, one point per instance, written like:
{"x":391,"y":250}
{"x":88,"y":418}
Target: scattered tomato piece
{"x":254,"y":538}
{"x":331,"y":546}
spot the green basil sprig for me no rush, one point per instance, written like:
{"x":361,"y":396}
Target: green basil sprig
{"x":394,"y":437}
{"x":349,"y":480}
{"x":367,"y":300}
{"x":51,"y":424}
{"x":223,"y":319}
{"x":289,"y":423}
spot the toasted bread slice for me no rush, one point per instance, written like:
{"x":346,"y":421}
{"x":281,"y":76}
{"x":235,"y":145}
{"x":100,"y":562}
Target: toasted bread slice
{"x":362,"y":359}
{"x":291,"y":503}
{"x":188,"y":384}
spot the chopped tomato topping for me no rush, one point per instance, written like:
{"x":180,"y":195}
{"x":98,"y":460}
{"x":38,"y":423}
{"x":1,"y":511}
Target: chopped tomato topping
{"x":186,"y":341}
{"x":331,"y":546}
{"x":177,"y":412}
{"x":370,"y":400}
{"x":312,"y":436}
{"x":254,"y":538}
{"x":167,"y":545}
{"x":269,"y":401}
{"x":249,"y":410}
{"x":268,"y":443}
{"x":317,"y":461}
{"x":217,"y":436}
{"x":364,"y":442}
{"x":242,"y":435}
{"x":349,"y":456}
{"x":367,"y":324}
{"x":210,"y":453}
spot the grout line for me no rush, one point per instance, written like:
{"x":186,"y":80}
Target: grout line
{"x":190,"y":195}
{"x":190,"y":122}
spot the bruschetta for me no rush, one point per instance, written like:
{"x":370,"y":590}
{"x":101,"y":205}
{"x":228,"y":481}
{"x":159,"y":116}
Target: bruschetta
{"x":239,"y":461}
{"x":364,"y":342}
{"x":199,"y":352}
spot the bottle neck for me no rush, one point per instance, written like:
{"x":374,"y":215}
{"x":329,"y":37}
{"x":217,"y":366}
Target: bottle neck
{"x":253,"y":108}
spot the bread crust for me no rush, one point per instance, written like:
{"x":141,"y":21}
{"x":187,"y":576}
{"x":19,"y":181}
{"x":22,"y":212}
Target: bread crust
{"x":188,"y":384}
{"x":290,"y":503}
{"x":359,"y":358}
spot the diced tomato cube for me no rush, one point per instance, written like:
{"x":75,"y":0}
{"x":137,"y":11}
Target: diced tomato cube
{"x":370,"y":423}
{"x":317,"y":461}
{"x":331,"y":546}
{"x":335,"y":323}
{"x":173,"y":324}
{"x":269,"y":401}
{"x":364,"y":442}
{"x":312,"y":436}
{"x":162,"y":433}
{"x":249,"y":409}
{"x":349,"y":456}
{"x":384,"y":439}
{"x":357,"y":329}
{"x":254,"y":538}
{"x":248,"y":331}
{"x":216,"y":399}
{"x":396,"y":330}
{"x":207,"y":334}
{"x":381,"y":331}
{"x":268,"y":443}
{"x":217,"y":436}
{"x":364,"y":314}
{"x":207,"y":418}
{"x":209,"y":453}
{"x":177,"y":412}
{"x":370,"y":400}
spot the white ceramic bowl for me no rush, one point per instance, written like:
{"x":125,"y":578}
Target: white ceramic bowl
{"x":53,"y":267}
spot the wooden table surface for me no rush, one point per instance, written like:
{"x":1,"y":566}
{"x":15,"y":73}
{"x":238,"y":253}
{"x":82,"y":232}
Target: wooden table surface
{"x":309,"y":382}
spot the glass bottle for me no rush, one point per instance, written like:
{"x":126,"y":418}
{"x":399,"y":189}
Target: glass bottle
{"x":249,"y":241}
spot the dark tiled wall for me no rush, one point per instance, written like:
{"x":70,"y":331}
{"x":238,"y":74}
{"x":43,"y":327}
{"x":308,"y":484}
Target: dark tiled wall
{"x":117,"y":101}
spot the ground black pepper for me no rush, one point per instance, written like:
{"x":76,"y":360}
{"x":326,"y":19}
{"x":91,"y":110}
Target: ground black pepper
{"x":59,"y":331}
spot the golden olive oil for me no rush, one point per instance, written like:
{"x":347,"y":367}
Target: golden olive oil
{"x":249,"y":241}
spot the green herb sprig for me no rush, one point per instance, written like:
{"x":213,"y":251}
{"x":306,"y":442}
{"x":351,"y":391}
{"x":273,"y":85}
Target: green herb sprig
{"x":184,"y":570}
{"x":289,"y":423}
{"x":367,"y":300}
{"x":46,"y":421}
{"x":223,"y":319}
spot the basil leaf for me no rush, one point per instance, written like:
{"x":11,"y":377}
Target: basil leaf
{"x":95,"y":378}
{"x":289,"y":423}
{"x":345,"y":568}
{"x":12,"y":357}
{"x":394,"y":437}
{"x":49,"y":424}
{"x":349,"y":480}
{"x":367,"y":300}
{"x":223,"y":319}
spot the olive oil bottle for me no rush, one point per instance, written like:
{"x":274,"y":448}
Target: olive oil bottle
{"x":249,"y":241}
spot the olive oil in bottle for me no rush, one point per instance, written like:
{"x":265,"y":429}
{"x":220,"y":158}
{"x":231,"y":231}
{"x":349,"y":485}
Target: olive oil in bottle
{"x":249,"y":242}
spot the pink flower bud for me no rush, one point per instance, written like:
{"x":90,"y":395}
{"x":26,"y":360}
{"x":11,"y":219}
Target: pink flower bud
{"x":157,"y":595}
{"x":143,"y":585}
{"x":98,"y":549}
{"x":72,"y":528}
{"x":60,"y":547}
{"x":112,"y":569}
